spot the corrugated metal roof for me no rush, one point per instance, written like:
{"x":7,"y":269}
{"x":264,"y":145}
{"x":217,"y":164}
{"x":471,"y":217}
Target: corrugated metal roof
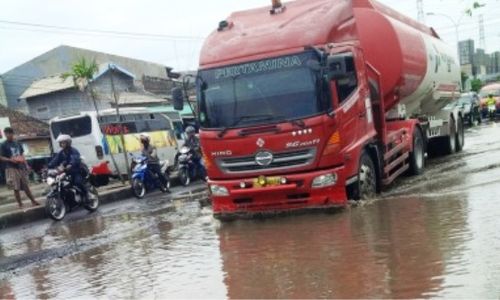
{"x":48,"y":85}
{"x":56,"y":83}
{"x":136,"y":99}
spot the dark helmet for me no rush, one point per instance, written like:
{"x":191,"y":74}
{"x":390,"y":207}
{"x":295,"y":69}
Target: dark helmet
{"x":190,"y":130}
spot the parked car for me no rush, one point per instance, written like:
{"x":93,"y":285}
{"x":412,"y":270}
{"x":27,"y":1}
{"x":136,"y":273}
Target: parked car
{"x":470,"y":105}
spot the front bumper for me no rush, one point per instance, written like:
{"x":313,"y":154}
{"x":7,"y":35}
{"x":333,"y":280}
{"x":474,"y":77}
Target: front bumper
{"x":296,"y":194}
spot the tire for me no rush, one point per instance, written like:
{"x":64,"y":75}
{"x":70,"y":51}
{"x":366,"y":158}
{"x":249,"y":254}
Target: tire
{"x":366,"y":186}
{"x":417,"y":157}
{"x":460,"y":140}
{"x":138,"y":188}
{"x":93,"y":201}
{"x":164,"y":188}
{"x":55,"y":208}
{"x":450,"y":142}
{"x":184,"y":177}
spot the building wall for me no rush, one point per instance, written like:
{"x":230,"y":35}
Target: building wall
{"x":3,"y":98}
{"x":71,"y":102}
{"x":466,"y":49}
{"x":59,"y":60}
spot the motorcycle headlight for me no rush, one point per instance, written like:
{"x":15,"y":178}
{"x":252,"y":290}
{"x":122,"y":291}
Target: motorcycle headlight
{"x":218,"y":190}
{"x":325,"y":180}
{"x":51,"y":181}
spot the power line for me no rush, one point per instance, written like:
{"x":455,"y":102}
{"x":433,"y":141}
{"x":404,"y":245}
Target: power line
{"x":99,"y":31}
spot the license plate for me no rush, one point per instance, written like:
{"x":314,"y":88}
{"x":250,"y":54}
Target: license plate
{"x":266,"y":181}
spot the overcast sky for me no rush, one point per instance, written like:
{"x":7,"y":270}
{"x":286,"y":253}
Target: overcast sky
{"x":177,"y":18}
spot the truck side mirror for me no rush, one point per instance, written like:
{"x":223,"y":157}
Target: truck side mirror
{"x":178,"y":98}
{"x":336,"y":66}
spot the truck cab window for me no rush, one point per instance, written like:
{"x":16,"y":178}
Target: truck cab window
{"x":347,"y":85}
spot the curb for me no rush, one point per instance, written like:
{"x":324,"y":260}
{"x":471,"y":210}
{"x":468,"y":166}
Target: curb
{"x":35,"y":214}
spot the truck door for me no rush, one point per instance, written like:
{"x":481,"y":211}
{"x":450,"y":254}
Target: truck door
{"x":351,"y":109}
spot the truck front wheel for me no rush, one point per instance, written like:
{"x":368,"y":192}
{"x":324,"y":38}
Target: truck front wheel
{"x":366,"y":186}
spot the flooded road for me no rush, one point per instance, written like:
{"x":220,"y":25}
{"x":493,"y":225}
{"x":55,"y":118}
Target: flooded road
{"x":437,"y":235}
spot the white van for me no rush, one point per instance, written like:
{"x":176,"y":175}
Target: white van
{"x":98,"y":138}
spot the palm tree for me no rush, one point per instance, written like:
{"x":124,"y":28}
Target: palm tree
{"x":82,"y":72}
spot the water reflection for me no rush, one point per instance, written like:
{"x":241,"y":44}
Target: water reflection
{"x":388,"y":249}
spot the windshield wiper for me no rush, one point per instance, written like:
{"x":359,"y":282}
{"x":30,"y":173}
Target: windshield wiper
{"x":224,"y":130}
{"x":298,"y":123}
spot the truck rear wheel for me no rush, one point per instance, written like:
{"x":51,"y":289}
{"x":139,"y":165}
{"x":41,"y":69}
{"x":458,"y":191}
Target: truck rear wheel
{"x":460,"y":135}
{"x":417,"y":157}
{"x":366,"y":186}
{"x":450,"y":142}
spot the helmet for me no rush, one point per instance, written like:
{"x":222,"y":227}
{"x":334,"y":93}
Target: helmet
{"x":190,"y":130}
{"x":64,"y":138}
{"x":145,"y":137}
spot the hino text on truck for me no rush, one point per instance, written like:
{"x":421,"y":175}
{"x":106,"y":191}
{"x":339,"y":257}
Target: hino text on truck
{"x":307,"y":104}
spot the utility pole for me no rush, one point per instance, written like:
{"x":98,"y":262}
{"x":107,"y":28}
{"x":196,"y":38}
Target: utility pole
{"x":420,"y":9}
{"x":118,"y":116}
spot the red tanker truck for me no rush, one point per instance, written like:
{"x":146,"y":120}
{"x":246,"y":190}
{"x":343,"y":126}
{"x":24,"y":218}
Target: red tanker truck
{"x":307,"y":104}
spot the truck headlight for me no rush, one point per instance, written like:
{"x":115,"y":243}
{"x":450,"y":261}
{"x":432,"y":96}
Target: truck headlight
{"x":325,"y":180}
{"x":218,"y":190}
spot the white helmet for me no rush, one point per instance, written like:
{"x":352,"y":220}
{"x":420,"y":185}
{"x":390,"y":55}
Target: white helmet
{"x":64,"y":138}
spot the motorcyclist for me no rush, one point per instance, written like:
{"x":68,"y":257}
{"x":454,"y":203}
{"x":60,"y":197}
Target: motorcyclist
{"x":150,"y":152}
{"x":193,"y":143}
{"x":490,"y":100}
{"x":491,"y":105}
{"x":69,"y":161}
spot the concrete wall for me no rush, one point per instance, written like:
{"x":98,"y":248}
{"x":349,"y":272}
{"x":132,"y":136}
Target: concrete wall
{"x":3,"y":97}
{"x":70,"y":102}
{"x":59,"y":60}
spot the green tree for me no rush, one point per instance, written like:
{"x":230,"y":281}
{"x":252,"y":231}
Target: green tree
{"x":82,"y":72}
{"x":476,"y":85}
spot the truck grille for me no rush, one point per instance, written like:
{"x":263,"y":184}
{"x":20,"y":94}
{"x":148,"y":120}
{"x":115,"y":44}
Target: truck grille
{"x":281,"y":161}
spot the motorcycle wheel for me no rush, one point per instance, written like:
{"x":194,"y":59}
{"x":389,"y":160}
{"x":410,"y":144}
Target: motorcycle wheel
{"x":93,"y":201}
{"x":166,"y":188}
{"x":184,"y":177}
{"x":55,"y":208}
{"x":138,"y":188}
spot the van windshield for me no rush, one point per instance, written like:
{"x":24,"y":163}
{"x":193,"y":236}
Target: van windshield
{"x":262,"y":92}
{"x":77,"y":127}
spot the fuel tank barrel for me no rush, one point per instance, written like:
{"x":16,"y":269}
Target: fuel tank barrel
{"x":417,"y":68}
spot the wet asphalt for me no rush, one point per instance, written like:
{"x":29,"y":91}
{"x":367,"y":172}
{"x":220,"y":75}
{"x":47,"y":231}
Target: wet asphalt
{"x":435,"y":235}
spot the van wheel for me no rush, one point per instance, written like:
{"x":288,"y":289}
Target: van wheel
{"x":417,"y":157}
{"x":366,"y":186}
{"x":460,"y":135}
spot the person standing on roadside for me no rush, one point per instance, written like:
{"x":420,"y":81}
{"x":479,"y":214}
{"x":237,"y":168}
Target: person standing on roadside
{"x":11,"y":154}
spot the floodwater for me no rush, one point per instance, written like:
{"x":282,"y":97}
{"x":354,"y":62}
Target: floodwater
{"x":437,"y":235}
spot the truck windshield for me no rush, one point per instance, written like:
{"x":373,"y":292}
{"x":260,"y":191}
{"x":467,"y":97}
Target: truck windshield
{"x":262,"y":92}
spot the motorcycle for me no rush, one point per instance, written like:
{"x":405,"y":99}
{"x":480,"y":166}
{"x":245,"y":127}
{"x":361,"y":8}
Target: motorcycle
{"x":143,"y":180}
{"x":187,"y":170}
{"x":64,"y":196}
